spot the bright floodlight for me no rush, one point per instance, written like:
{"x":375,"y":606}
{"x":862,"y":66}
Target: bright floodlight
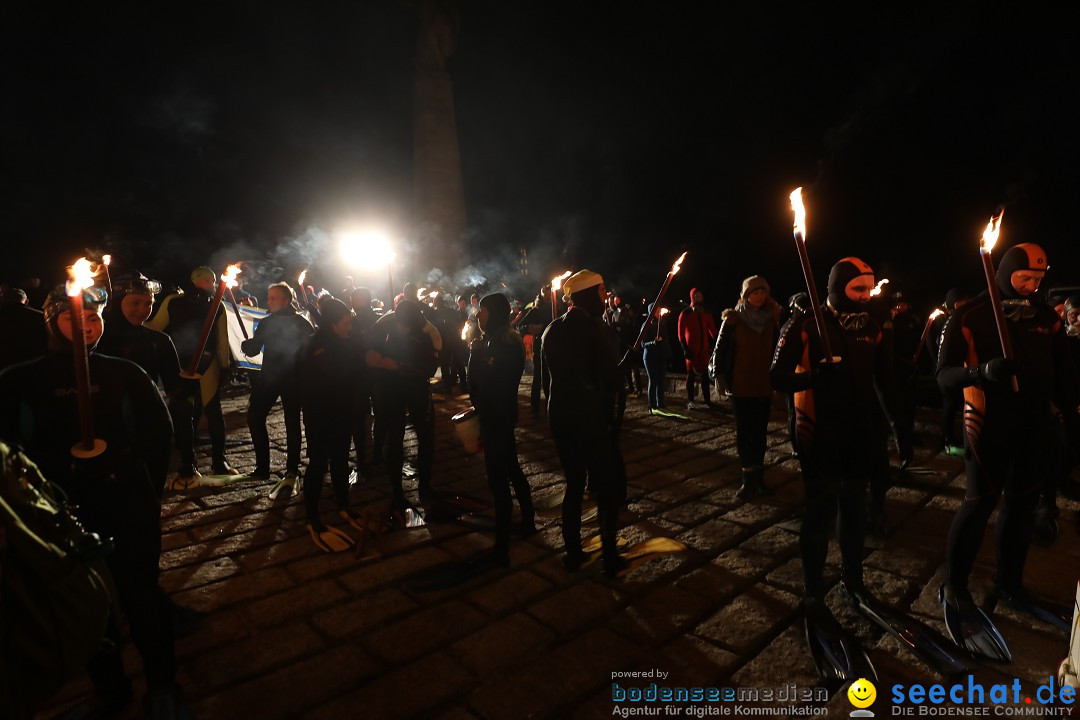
{"x":366,"y":249}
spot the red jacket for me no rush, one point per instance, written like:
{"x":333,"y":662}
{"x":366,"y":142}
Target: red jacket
{"x":697,"y":334}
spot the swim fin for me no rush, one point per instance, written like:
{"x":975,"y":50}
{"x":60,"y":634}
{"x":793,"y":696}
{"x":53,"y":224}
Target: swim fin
{"x":969,"y":626}
{"x":1058,"y":616}
{"x":837,"y":653}
{"x":330,"y":539}
{"x":927,"y":644}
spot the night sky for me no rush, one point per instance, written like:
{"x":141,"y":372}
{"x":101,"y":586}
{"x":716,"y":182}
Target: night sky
{"x":593,"y":135}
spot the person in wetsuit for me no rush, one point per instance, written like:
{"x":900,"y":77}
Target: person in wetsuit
{"x":655,"y":355}
{"x":280,"y":337}
{"x":182,"y":316}
{"x":584,"y":401}
{"x":403,"y":353}
{"x":127,"y":336}
{"x":840,"y":428}
{"x":115,"y":494}
{"x":496,"y":364}
{"x":1008,"y":432}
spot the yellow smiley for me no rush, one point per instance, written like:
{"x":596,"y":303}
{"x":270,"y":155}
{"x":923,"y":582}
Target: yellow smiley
{"x":862,"y":693}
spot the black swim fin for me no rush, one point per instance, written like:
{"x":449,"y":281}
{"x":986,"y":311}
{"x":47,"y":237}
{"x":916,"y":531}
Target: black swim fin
{"x":1058,"y":616}
{"x":970,"y":628}
{"x":927,"y":644}
{"x":837,"y":654}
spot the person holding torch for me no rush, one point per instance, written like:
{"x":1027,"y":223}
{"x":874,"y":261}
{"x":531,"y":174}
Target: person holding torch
{"x":114,"y":493}
{"x":1011,"y":384}
{"x":840,"y":435}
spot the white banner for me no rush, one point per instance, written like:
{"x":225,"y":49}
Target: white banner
{"x":250,"y":317}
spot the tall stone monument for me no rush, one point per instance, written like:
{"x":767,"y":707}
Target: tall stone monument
{"x":439,"y":194}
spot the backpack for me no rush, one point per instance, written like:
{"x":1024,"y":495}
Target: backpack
{"x":56,"y":593}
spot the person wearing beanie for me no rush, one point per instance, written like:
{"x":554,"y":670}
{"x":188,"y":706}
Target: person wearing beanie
{"x":115,"y":494}
{"x":181,"y":316}
{"x":656,"y":356}
{"x":496,"y":364}
{"x":403,"y":352}
{"x":741,"y":361}
{"x":585,"y":396}
{"x":127,"y":336}
{"x":1009,"y":430}
{"x":279,"y":337}
{"x":697,"y":334}
{"x":840,"y":436}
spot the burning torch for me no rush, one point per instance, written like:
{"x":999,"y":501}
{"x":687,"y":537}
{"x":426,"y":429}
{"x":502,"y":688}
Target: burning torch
{"x":228,"y":280}
{"x":877,"y":288}
{"x":656,"y":304}
{"x":556,"y":285}
{"x":808,"y":274}
{"x":236,"y":310}
{"x":660,"y":319}
{"x":303,"y":288}
{"x":986,"y":245}
{"x":81,"y":277}
{"x":938,"y":312}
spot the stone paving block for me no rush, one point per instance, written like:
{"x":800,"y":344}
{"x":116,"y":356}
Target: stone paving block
{"x":292,"y":688}
{"x":192,"y":576}
{"x":772,"y":541}
{"x":694,"y":662}
{"x":757,"y":513}
{"x":367,"y":611}
{"x":423,"y":631}
{"x":713,"y":536}
{"x":690,"y":513}
{"x":571,"y":609}
{"x":221,"y":627}
{"x":393,"y":568}
{"x":252,"y":656}
{"x":785,"y":661}
{"x":235,"y":589}
{"x":751,"y":620}
{"x":299,"y":601}
{"x":509,"y":592}
{"x":555,"y":681}
{"x":499,"y":644}
{"x":396,"y":695}
{"x":660,"y":615}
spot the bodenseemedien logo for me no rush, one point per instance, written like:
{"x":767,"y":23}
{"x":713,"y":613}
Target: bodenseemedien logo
{"x":862,"y":695}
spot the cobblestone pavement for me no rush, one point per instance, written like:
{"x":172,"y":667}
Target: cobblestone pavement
{"x":290,"y":631}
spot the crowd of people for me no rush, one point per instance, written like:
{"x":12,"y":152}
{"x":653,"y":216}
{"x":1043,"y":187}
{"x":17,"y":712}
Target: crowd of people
{"x":352,"y":373}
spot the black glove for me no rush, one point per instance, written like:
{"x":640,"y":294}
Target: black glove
{"x":998,"y":369}
{"x":250,"y":347}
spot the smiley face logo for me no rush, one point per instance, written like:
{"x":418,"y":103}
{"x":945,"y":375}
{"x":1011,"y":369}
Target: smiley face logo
{"x":862,"y":693}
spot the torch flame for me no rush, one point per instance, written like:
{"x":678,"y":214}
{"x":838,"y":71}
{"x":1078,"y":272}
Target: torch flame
{"x":80,"y":277}
{"x":303,"y":276}
{"x":800,"y":212}
{"x":107,"y":259}
{"x":877,"y":288}
{"x":937,"y":313}
{"x":990,"y":234}
{"x":556,"y":282}
{"x":678,"y":263}
{"x":664,"y":311}
{"x":434,"y":295}
{"x":465,"y":331}
{"x":229,"y":276}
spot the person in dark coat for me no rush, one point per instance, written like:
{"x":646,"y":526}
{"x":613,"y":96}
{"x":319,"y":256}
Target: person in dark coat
{"x":741,"y":361}
{"x":279,"y":336}
{"x":656,"y":356}
{"x":496,"y":364}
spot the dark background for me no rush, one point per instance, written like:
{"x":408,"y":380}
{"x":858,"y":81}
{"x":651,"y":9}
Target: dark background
{"x":593,"y":135}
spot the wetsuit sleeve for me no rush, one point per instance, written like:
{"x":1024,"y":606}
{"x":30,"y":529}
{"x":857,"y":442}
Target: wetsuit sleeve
{"x":150,"y":420}
{"x":885,"y":380}
{"x":682,"y":327}
{"x":722,"y":352}
{"x":786,"y":358}
{"x":170,"y":364}
{"x":952,"y":374}
{"x":254,"y":345}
